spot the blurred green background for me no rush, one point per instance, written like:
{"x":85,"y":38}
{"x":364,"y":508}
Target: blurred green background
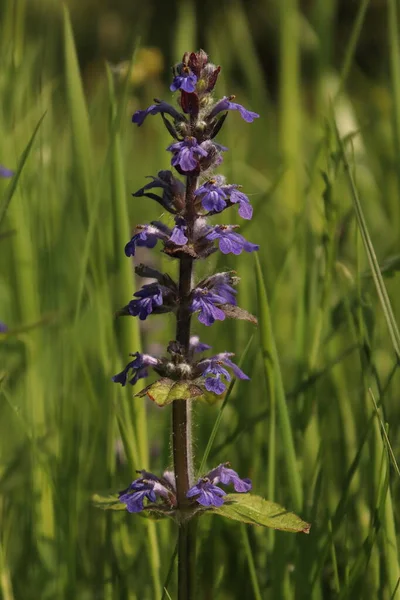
{"x":305,"y":428}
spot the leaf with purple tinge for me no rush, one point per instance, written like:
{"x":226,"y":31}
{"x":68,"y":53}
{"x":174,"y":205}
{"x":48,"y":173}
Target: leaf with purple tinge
{"x":254,"y":510}
{"x":165,"y":390}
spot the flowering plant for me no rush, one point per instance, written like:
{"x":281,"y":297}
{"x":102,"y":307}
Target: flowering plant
{"x":183,"y":377}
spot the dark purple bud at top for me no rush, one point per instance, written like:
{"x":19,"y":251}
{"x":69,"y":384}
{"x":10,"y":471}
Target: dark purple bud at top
{"x":184,"y":80}
{"x":197,"y":61}
{"x":186,"y":154}
{"x":227,"y":104}
{"x":149,"y":487}
{"x":161,"y":107}
{"x":147,"y":235}
{"x":136,"y":369}
{"x":229,"y":240}
{"x":4,"y":172}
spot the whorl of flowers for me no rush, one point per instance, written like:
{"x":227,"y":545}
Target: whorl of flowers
{"x":189,"y":235}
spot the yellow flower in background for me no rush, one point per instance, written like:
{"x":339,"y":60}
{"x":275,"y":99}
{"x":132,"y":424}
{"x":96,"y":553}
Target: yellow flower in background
{"x":148,"y":64}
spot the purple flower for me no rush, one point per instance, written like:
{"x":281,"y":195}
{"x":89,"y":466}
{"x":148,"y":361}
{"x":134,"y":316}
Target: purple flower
{"x":178,"y":235}
{"x":185,"y":80}
{"x":138,"y":367}
{"x":3,"y":327}
{"x":173,"y":191}
{"x":4,"y":172}
{"x":213,"y":369}
{"x":160,"y":107}
{"x":206,"y":301}
{"x":224,"y":474}
{"x":229,"y":240}
{"x":186,"y":154}
{"x":213,"y":292}
{"x":207,"y":491}
{"x":197,"y":346}
{"x":221,"y":283}
{"x":150,"y":297}
{"x":245,"y":208}
{"x":213,"y":196}
{"x":147,"y":486}
{"x":226,"y":104}
{"x":147,"y":235}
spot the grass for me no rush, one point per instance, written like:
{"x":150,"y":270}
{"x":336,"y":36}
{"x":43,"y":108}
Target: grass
{"x":316,"y":428}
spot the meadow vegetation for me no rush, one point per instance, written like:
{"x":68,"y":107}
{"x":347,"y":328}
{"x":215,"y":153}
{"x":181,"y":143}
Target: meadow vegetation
{"x":316,"y":428}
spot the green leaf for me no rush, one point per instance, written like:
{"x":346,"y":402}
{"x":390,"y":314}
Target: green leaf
{"x":164,"y":391}
{"x":254,"y":510}
{"x":111,"y":502}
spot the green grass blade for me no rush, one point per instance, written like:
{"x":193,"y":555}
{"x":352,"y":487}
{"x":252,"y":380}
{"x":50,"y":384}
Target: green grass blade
{"x":250,"y":561}
{"x":9,"y":193}
{"x":352,"y":45}
{"x":271,"y":356}
{"x":369,"y":248}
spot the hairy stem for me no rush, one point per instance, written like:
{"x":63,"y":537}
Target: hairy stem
{"x":181,"y":415}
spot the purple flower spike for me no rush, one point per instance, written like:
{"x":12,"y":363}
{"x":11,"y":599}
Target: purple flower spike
{"x":213,"y":196}
{"x":148,"y":486}
{"x":138,"y":367}
{"x":147,"y":236}
{"x":224,"y":474}
{"x":214,"y":371}
{"x":4,"y":172}
{"x":186,"y":154}
{"x":226,"y":104}
{"x":150,"y":297}
{"x":207,"y":493}
{"x":185,"y":80}
{"x":3,"y":327}
{"x":161,"y":107}
{"x":229,"y":240}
